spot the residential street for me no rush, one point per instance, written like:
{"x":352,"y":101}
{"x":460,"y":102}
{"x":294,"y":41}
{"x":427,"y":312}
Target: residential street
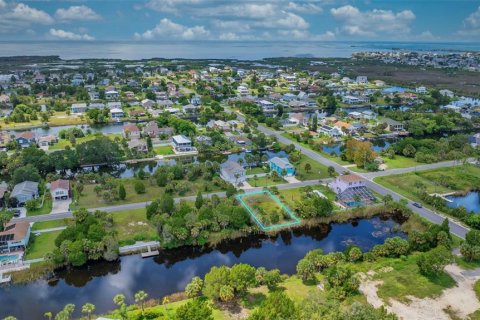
{"x":455,"y":227}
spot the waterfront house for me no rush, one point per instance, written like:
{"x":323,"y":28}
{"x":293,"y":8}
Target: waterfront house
{"x":15,"y":236}
{"x":47,"y":140}
{"x":180,"y":143}
{"x":78,"y":108}
{"x":393,"y":125}
{"x":151,"y":129}
{"x":332,"y":132}
{"x":233,"y":173}
{"x":351,"y":190}
{"x":131,"y":130}
{"x":24,"y":191}
{"x":116,"y":113}
{"x":282,"y":166}
{"x":138,"y":145}
{"x":25,"y":139}
{"x":60,"y":189}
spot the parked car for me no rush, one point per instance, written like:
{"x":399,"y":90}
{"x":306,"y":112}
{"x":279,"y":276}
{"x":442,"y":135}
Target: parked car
{"x":418,"y":205}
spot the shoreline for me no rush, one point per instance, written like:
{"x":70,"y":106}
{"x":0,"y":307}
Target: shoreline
{"x":45,"y":270}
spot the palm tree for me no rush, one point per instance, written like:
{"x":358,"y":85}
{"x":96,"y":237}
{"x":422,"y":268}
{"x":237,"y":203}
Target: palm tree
{"x":88,"y":309}
{"x":48,"y":315}
{"x":140,"y":297}
{"x":255,"y":178}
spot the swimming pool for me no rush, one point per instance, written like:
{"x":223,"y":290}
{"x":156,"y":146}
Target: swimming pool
{"x":4,"y":259}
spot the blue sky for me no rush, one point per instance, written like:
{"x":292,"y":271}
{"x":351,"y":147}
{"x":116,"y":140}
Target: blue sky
{"x":181,"y":20}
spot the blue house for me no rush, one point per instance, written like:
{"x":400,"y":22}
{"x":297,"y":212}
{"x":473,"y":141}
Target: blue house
{"x":282,"y":165}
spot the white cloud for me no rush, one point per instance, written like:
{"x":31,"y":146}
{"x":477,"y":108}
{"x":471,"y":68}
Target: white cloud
{"x":82,"y":13}
{"x":473,"y":20}
{"x":471,"y":26}
{"x":169,"y":6}
{"x":169,"y":29}
{"x":372,"y":23}
{"x":309,"y":8}
{"x":67,"y":35}
{"x":19,"y":17}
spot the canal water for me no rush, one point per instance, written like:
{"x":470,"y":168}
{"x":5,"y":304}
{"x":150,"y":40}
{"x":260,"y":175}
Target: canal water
{"x":471,"y":201}
{"x":378,"y":145}
{"x":99,"y":282}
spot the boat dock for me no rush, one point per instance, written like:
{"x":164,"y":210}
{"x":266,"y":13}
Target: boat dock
{"x":140,"y":246}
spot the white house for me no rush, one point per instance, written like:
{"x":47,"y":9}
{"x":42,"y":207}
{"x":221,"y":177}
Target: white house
{"x":447,"y":93}
{"x":362,"y":80}
{"x":242,"y":90}
{"x":181,"y":143}
{"x":78,"y":108}
{"x":266,"y":105}
{"x":421,"y":90}
{"x":111,"y":94}
{"x":60,"y":189}
{"x":117,"y":113}
{"x":233,"y":173}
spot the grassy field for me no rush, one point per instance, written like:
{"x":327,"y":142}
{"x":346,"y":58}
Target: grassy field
{"x":255,"y":170}
{"x":89,"y":198}
{"x":264,"y":181}
{"x":132,"y":226}
{"x":58,"y":119}
{"x":266,"y":209}
{"x":317,"y":170}
{"x":292,"y":196}
{"x":459,"y":178}
{"x":63,"y":143}
{"x":41,"y":244}
{"x":49,"y":224}
{"x":163,"y":150}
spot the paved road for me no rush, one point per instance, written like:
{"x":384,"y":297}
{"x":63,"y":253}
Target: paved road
{"x":455,"y":227}
{"x":137,"y":205}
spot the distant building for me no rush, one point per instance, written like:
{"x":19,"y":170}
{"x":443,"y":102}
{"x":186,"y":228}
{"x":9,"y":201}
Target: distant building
{"x":26,"y":139}
{"x":138,"y":145}
{"x":130,"y":130}
{"x":421,"y":90}
{"x":233,"y":173}
{"x":282,"y":166}
{"x":117,"y":113}
{"x":393,"y":125}
{"x":181,"y":143}
{"x":78,"y":108}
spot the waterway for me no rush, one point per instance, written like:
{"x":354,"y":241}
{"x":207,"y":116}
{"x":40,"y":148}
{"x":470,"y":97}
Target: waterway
{"x":471,"y":201}
{"x":99,"y":282}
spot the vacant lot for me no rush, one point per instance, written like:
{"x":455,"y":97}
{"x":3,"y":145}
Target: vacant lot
{"x":441,"y":180}
{"x":268,"y":209}
{"x":132,"y":226}
{"x":41,"y":244}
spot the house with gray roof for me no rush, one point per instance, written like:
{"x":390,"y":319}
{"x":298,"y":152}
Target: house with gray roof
{"x":233,"y":173}
{"x":25,"y":191}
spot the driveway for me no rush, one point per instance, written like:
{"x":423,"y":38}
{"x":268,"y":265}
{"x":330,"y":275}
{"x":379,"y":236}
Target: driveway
{"x":60,"y":206}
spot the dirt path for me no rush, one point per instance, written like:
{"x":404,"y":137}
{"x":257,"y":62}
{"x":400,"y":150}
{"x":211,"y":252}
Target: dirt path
{"x":461,"y":299}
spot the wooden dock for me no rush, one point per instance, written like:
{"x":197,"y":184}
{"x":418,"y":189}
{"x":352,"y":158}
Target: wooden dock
{"x":150,"y":253}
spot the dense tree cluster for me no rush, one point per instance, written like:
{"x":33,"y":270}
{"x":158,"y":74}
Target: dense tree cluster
{"x":89,"y":237}
{"x":183,"y":224}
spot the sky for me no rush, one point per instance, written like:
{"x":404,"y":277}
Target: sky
{"x":231,"y":20}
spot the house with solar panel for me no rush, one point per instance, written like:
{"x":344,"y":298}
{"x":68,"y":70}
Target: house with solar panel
{"x":351,"y":191}
{"x":15,"y":237}
{"x":282,"y":166}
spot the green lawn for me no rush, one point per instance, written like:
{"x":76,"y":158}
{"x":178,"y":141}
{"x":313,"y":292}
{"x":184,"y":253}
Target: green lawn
{"x":132,"y":226}
{"x":458,"y":178}
{"x":264,"y":181}
{"x":163,"y":150}
{"x":89,"y":198}
{"x":255,"y":170}
{"x":292,"y":196}
{"x":63,"y":143}
{"x":317,"y":170}
{"x":49,"y":224}
{"x":41,"y":244}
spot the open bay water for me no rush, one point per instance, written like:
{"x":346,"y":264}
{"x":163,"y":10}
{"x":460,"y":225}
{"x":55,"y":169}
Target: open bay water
{"x":242,"y":50}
